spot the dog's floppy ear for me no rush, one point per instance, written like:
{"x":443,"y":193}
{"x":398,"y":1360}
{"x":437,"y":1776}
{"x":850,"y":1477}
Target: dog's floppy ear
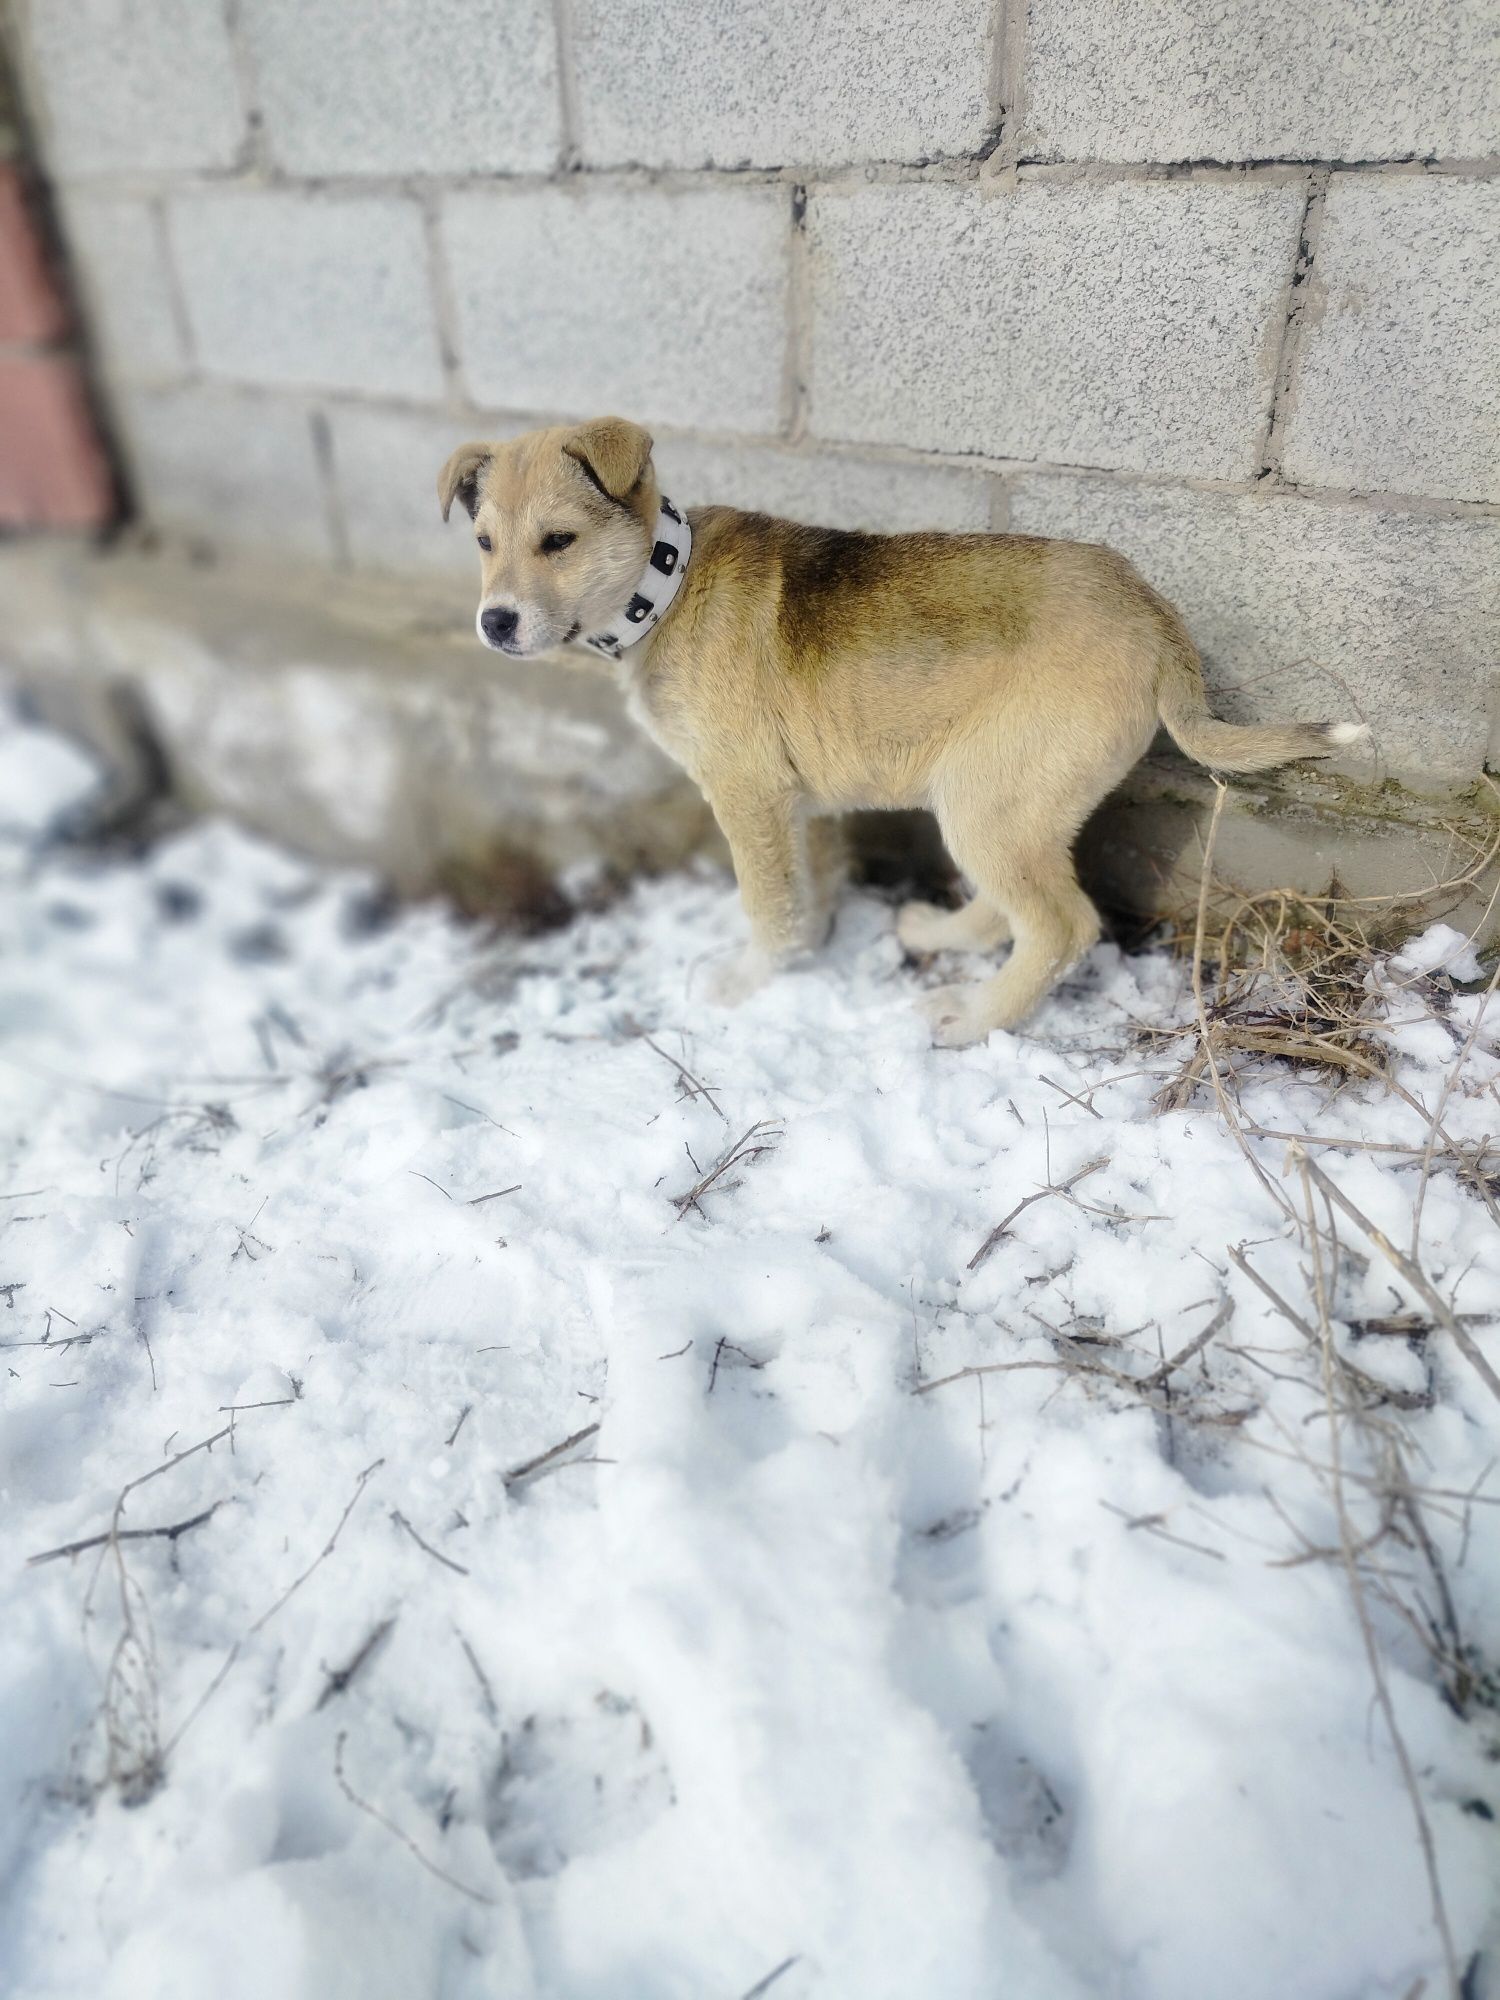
{"x":612,"y":452}
{"x":459,"y":478}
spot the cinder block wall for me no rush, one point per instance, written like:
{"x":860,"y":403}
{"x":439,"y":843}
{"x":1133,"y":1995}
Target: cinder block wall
{"x":1217,"y":281}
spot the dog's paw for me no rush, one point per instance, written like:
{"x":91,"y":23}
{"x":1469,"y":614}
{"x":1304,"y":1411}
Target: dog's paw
{"x":733,"y":979}
{"x":958,"y":1015}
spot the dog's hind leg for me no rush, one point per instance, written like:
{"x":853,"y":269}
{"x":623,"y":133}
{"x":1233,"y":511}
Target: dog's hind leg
{"x":827,"y":867}
{"x":1029,"y":879}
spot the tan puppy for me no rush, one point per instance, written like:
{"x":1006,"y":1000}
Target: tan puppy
{"x":1006,"y":682}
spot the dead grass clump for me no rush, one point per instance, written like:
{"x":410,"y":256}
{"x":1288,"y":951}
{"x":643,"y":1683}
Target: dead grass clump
{"x":1287,"y":978}
{"x":1290,"y":982}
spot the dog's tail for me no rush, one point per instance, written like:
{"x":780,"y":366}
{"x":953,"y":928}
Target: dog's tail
{"x":1182,"y":704}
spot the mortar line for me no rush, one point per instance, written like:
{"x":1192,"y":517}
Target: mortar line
{"x":1009,"y":86}
{"x":799,"y":330}
{"x":955,"y":170}
{"x":326,"y":458}
{"x":177,"y":305}
{"x":569,"y":110}
{"x":1289,"y":344}
{"x":255,"y":153}
{"x":443,"y":302}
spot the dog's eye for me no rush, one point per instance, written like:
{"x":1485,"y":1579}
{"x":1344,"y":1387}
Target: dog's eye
{"x":484,"y":542}
{"x":556,"y":542}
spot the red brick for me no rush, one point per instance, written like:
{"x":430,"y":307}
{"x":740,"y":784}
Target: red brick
{"x":53,"y":472}
{"x":31,"y":308}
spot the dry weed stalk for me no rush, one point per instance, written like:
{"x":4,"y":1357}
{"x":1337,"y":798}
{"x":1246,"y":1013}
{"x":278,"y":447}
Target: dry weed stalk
{"x":129,"y":1711}
{"x":1351,"y":1553}
{"x":1299,"y":981}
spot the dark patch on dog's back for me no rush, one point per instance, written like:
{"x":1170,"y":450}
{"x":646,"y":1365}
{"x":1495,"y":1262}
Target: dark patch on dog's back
{"x":827,"y":575}
{"x":841,"y":588}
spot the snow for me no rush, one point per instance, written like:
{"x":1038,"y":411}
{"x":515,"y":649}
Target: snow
{"x":798,"y":1668}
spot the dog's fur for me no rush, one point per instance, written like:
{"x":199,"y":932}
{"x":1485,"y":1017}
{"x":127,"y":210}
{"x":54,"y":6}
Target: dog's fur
{"x":1004,"y":681}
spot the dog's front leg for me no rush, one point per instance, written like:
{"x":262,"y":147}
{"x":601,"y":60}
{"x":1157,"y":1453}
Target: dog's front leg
{"x":768,"y":843}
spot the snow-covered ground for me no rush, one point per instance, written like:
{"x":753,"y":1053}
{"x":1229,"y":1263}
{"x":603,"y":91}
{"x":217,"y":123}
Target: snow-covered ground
{"x":803,"y":1669}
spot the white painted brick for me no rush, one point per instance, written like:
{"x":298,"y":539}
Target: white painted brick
{"x":227,"y":468}
{"x":829,"y":489}
{"x":386,"y":464}
{"x":1306,"y":611}
{"x":669,"y":307}
{"x":408,"y":86}
{"x":119,"y":258}
{"x":1131,"y":325}
{"x":294,"y":288}
{"x":767,"y":82}
{"x":1398,"y":387}
{"x":1261,"y":79}
{"x":135,"y":85}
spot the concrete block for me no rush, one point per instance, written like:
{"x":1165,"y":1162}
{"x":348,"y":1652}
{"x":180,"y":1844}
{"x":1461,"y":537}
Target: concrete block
{"x":776,"y":82}
{"x":827,"y":488}
{"x":119,"y":259}
{"x":1306,"y":611}
{"x":1129,"y":325}
{"x":134,"y":85}
{"x":226,"y":468}
{"x":294,"y":288}
{"x":1398,"y":387}
{"x":410,"y":86}
{"x":666,"y":306}
{"x":385,"y":472}
{"x":1261,"y":79}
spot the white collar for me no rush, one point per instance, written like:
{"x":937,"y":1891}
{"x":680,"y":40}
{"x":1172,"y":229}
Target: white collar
{"x":672,"y":544}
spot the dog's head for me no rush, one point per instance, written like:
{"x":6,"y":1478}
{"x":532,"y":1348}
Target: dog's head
{"x":563,"y":519}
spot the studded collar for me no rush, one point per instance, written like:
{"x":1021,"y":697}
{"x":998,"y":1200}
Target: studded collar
{"x":671,"y":546}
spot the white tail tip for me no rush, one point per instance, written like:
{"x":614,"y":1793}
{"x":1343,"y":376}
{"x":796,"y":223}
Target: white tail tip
{"x":1341,"y":734}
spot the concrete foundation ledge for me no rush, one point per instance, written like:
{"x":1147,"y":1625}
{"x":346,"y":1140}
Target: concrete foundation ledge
{"x":357,"y":720}
{"x":354,"y":719}
{"x":1404,"y":860}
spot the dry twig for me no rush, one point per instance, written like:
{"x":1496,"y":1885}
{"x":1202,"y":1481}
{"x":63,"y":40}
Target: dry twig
{"x":1063,"y":1188}
{"x":437,"y":1555}
{"x":749,"y":1146}
{"x":474,"y":1895}
{"x":518,"y":1474}
{"x":340,"y":1677}
{"x":168,"y":1533}
{"x":271,"y":1610}
{"x":1413,"y":1273}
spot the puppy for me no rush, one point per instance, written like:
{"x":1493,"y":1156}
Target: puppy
{"x":1006,"y":682}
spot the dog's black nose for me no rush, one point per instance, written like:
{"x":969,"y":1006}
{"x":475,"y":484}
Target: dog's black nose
{"x":499,"y":624}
